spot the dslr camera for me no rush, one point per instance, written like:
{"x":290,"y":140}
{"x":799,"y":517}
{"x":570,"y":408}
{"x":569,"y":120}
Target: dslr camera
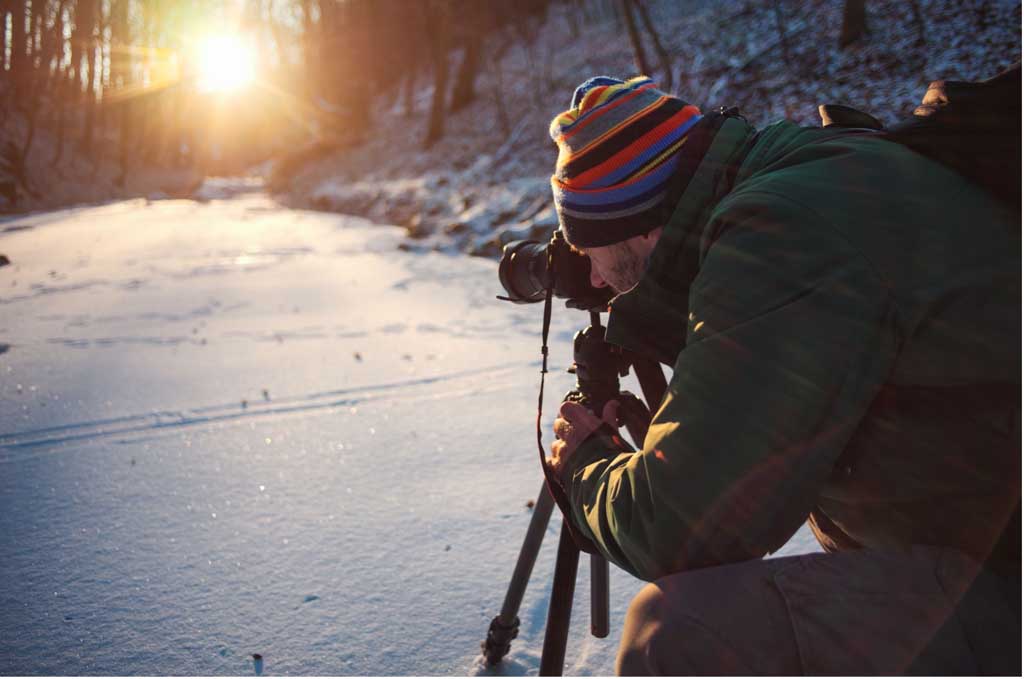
{"x":528,"y":268}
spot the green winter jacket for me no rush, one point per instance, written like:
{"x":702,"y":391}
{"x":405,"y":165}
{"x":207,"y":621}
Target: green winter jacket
{"x":843,"y":320}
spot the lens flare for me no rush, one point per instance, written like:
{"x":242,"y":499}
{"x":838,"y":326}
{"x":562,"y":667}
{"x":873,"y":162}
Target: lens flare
{"x":226,"y":63}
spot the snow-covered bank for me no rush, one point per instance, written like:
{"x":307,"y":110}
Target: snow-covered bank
{"x":484,"y":185}
{"x":228,"y":428}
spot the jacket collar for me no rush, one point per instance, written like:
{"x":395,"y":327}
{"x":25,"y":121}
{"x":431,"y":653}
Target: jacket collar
{"x":651,"y":318}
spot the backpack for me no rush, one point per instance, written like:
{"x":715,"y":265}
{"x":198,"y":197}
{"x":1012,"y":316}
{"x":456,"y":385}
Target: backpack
{"x":973,"y":128}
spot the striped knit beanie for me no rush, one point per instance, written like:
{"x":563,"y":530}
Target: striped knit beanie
{"x":617,"y":149}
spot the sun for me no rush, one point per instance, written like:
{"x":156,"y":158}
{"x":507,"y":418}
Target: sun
{"x":226,"y":63}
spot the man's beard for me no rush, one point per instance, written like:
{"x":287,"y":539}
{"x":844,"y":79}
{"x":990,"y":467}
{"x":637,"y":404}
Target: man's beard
{"x":627,"y":270}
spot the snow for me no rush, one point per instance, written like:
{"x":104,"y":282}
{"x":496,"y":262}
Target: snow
{"x":230,"y":428}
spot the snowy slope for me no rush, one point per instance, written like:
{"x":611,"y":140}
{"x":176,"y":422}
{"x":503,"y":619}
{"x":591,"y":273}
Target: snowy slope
{"x":229,"y":428}
{"x":484,"y":184}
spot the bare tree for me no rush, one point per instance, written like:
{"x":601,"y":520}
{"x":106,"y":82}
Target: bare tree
{"x":572,"y":18}
{"x":498,"y":88}
{"x":639,"y":56}
{"x":471,"y":28}
{"x":20,"y":72}
{"x":86,"y":14}
{"x":362,"y":18}
{"x":915,"y":8}
{"x":48,"y":41}
{"x":659,"y":49}
{"x":854,"y":22}
{"x":437,"y":27}
{"x":35,"y":41}
{"x":464,"y":91}
{"x":121,"y":77}
{"x":62,"y":83}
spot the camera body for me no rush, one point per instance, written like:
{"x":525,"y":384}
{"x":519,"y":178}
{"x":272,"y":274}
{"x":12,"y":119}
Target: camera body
{"x":528,"y":268}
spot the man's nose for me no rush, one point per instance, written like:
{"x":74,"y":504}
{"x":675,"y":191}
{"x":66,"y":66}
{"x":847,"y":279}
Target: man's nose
{"x":595,"y":278}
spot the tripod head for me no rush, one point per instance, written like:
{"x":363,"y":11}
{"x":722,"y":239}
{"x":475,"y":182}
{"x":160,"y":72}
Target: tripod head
{"x":598,"y":366}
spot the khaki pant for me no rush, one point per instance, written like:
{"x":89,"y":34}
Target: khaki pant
{"x":921,"y":611}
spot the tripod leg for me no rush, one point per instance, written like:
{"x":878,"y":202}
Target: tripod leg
{"x":505,"y":626}
{"x":652,"y":381}
{"x":599,"y":596}
{"x":552,"y":657}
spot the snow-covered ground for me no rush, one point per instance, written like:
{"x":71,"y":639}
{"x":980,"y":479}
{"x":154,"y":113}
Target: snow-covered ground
{"x":229,"y":428}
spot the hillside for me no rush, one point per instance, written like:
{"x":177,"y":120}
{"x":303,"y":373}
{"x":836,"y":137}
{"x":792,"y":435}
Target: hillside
{"x":483,"y":185}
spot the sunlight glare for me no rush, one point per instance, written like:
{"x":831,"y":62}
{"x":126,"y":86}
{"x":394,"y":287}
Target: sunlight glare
{"x":226,"y":63}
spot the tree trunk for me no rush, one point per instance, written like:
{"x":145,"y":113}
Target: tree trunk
{"x":780,"y":26}
{"x":639,"y":56}
{"x":62,"y":88}
{"x":472,"y":26}
{"x":79,"y":39}
{"x":30,"y":116}
{"x":663,"y":58}
{"x":498,"y":92}
{"x":102,"y":105}
{"x":60,"y":85}
{"x":126,"y":110}
{"x":436,"y":15}
{"x":362,"y":18}
{"x":38,"y":10}
{"x":19,"y":48}
{"x":48,"y":49}
{"x":88,"y":36}
{"x":48,"y":40}
{"x":854,"y":22}
{"x":30,"y":28}
{"x":120,"y":77}
{"x":464,"y":91}
{"x":573,"y":19}
{"x":915,"y":8}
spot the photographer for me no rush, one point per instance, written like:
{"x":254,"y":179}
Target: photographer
{"x":843,"y":320}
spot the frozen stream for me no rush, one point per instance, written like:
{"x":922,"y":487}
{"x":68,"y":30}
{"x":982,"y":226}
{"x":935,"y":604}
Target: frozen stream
{"x":229,"y":428}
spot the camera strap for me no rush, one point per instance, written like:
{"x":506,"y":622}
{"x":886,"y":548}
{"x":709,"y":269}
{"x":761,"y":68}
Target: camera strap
{"x":553,"y":484}
{"x":544,"y":355}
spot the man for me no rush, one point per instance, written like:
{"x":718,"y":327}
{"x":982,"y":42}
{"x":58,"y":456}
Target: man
{"x":842,"y":317}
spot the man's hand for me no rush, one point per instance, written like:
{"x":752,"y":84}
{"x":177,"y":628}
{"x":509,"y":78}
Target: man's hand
{"x":572,"y":427}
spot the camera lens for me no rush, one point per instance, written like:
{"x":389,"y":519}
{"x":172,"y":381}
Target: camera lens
{"x":525,"y":275}
{"x":523,"y":271}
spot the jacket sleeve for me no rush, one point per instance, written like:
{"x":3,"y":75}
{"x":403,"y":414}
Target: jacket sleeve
{"x":790,"y":336}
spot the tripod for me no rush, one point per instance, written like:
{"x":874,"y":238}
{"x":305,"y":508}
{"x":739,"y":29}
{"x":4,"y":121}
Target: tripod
{"x":598,"y":366}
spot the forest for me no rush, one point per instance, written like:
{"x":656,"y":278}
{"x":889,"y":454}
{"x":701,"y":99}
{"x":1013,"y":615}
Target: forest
{"x":112,"y":98}
{"x":134,"y":83}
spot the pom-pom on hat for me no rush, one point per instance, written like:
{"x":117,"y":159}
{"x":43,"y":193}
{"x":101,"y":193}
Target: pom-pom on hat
{"x":617,"y":150}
